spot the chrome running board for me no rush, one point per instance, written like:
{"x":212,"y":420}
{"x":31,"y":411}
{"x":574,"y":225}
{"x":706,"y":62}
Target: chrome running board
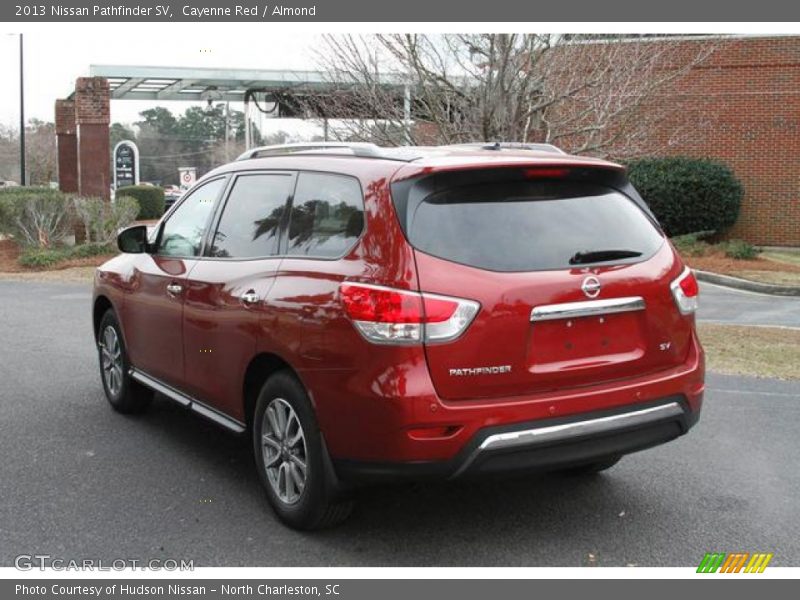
{"x":187,"y":401}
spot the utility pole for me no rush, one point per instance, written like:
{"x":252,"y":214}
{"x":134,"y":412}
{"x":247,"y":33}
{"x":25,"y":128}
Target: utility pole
{"x":21,"y":113}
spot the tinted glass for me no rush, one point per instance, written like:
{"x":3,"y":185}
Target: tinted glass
{"x":250,"y":222}
{"x":183,"y":232}
{"x":327,"y":215}
{"x":524,"y":226}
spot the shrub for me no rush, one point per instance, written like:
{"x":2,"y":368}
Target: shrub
{"x":688,"y":195}
{"x":88,"y":250}
{"x":150,"y":198}
{"x":102,"y":220}
{"x":739,"y":250}
{"x":34,"y":216}
{"x":42,"y":257}
{"x":690,"y":245}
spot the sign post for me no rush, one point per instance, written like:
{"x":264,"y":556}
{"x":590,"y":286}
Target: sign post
{"x":126,"y":164}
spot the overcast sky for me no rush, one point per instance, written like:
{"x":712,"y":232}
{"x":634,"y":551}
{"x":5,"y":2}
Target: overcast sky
{"x":56,"y":55}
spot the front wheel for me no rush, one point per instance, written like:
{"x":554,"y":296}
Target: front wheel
{"x":290,"y":458}
{"x":123,"y":393}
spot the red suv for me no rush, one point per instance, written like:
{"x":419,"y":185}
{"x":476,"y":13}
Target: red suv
{"x":371,"y":314}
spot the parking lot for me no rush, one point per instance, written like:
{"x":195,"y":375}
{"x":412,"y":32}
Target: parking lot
{"x":81,"y":481}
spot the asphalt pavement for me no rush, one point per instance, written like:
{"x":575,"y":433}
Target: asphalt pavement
{"x":80,"y":481}
{"x":739,"y":307}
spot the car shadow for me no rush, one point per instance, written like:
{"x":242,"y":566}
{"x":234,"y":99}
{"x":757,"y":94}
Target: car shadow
{"x":416,"y":523}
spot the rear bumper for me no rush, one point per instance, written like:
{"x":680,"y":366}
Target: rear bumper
{"x":543,"y":445}
{"x":380,"y":420}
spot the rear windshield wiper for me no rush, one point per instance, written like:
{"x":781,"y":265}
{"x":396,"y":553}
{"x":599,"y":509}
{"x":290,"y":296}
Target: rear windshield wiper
{"x":591,"y":256}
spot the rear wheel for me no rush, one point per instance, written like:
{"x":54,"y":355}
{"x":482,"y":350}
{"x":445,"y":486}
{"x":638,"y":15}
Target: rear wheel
{"x":593,"y":467}
{"x":290,"y":459}
{"x":123,"y":393}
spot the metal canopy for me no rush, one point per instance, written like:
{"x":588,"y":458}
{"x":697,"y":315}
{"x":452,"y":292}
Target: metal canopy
{"x":129,"y":82}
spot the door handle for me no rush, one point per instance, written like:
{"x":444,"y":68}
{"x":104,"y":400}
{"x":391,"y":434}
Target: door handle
{"x":174,"y":289}
{"x":249,"y":297}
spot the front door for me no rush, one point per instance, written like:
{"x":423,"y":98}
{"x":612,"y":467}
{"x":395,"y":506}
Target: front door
{"x":154,"y":307}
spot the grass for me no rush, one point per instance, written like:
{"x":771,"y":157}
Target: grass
{"x":789,"y":258}
{"x":774,"y":277}
{"x":757,"y":351}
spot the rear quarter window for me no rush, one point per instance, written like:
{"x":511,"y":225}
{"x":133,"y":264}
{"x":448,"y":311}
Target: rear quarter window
{"x":327,"y":215}
{"x":530,"y":226}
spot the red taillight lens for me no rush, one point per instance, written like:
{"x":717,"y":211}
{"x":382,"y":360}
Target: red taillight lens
{"x":689,"y":285}
{"x":438,"y":309}
{"x":389,"y":316}
{"x":685,"y":291}
{"x":364,"y":303}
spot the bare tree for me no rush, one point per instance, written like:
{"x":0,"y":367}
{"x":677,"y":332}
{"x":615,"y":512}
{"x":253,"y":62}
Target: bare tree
{"x":40,"y":153}
{"x":593,"y":96}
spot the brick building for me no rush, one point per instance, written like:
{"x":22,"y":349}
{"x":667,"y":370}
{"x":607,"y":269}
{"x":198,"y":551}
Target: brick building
{"x":747,"y":93}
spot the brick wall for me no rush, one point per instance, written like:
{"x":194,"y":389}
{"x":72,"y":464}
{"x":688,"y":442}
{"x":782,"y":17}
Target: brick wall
{"x":747,"y":95}
{"x":67,"y":139}
{"x":92,"y":116}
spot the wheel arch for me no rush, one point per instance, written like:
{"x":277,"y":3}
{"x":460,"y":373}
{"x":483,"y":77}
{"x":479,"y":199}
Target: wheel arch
{"x":258,"y":370}
{"x":101,"y":305}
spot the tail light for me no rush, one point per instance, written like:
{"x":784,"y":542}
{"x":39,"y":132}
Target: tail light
{"x":389,"y":316}
{"x":685,"y":291}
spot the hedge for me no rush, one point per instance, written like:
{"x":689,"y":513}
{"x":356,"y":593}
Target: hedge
{"x":688,"y":195}
{"x":150,"y":198}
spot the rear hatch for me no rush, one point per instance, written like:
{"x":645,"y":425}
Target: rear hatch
{"x":572,"y":275}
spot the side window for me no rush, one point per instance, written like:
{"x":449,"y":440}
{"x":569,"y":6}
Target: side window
{"x":327,"y":215}
{"x":250,"y":222}
{"x":182,"y":234}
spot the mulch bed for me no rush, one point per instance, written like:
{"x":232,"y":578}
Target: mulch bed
{"x":9,"y":253}
{"x":730,"y":266}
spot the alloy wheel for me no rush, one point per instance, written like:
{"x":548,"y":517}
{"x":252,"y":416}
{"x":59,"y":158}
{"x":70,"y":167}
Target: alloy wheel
{"x":111,"y":356}
{"x":284,"y":451}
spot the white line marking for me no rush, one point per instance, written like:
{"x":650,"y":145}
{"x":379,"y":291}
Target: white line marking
{"x":738,"y":291}
{"x":740,"y":324}
{"x":725,"y":391}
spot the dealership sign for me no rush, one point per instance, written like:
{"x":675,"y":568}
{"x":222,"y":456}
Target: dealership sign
{"x":126,"y":164}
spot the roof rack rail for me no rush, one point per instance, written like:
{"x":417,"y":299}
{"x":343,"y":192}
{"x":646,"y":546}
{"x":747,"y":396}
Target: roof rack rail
{"x":362,"y":149}
{"x":535,"y":146}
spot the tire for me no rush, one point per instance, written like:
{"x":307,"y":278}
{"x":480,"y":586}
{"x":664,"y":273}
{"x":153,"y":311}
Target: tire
{"x":290,"y":457}
{"x":593,"y":467}
{"x":123,"y":393}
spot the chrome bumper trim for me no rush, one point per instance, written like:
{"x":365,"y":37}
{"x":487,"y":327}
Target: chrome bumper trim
{"x":588,"y":308}
{"x":565,"y":432}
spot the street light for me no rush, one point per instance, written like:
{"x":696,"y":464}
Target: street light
{"x":21,"y":111}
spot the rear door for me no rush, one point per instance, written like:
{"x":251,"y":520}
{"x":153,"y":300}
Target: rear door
{"x":227,"y":288}
{"x":572,"y":277}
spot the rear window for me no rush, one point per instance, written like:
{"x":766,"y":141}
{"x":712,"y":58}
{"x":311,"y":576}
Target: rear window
{"x":530,"y":226}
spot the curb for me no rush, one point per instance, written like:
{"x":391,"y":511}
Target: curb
{"x":745,"y":284}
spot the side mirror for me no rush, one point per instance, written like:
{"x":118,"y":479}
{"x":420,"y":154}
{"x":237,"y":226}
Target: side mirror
{"x":133,"y":240}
